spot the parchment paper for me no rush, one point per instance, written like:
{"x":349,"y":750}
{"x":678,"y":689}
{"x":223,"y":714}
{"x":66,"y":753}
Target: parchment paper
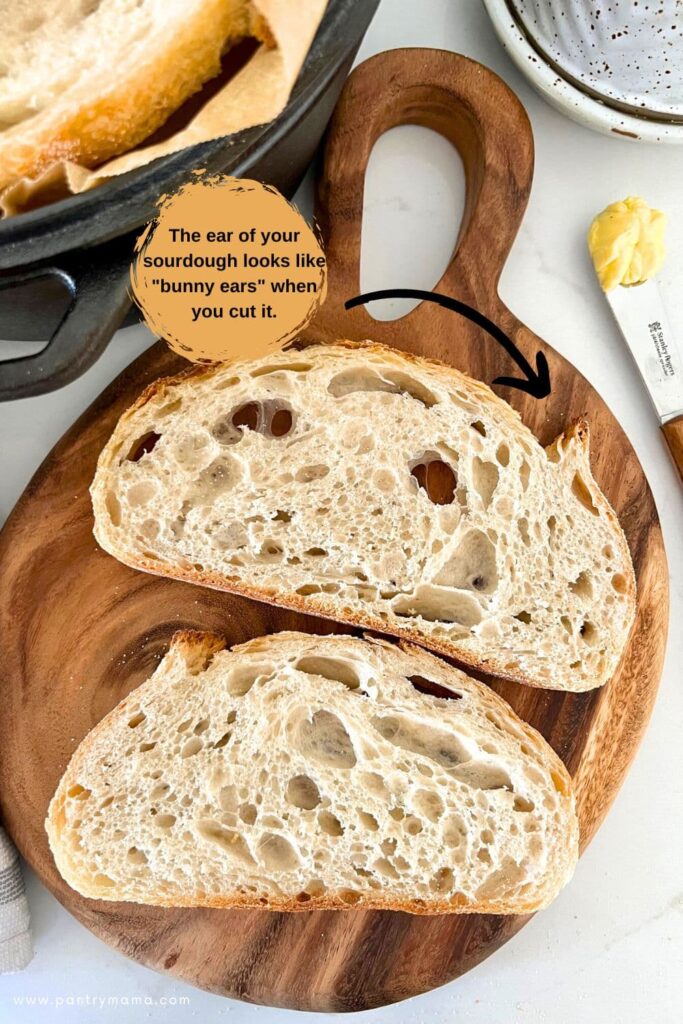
{"x":255,"y":95}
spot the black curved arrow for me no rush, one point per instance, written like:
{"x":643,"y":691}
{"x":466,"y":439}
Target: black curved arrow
{"x":538,"y":380}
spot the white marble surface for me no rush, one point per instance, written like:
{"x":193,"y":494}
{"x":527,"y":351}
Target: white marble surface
{"x":611,"y":947}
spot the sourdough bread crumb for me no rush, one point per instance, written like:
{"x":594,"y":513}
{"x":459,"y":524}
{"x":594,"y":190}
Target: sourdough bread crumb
{"x":376,"y":489}
{"x":300,"y":771}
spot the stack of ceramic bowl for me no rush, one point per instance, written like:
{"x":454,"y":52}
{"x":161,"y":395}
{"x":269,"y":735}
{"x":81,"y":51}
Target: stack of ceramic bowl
{"x":613,"y":65}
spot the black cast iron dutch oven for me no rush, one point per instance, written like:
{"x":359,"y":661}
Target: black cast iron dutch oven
{"x":68,"y":263}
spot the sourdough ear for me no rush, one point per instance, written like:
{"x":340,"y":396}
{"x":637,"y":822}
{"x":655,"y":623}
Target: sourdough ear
{"x":194,"y":649}
{"x":572,"y":450}
{"x":572,"y":445}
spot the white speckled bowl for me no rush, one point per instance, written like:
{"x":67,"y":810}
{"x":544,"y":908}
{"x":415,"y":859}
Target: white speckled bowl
{"x":612,"y":65}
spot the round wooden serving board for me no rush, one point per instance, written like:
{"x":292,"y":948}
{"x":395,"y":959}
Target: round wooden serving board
{"x":79,"y":630}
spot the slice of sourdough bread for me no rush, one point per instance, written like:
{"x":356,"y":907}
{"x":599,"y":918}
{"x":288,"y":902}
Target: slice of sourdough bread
{"x":85,"y":80}
{"x":298,"y":772}
{"x":373,"y":488}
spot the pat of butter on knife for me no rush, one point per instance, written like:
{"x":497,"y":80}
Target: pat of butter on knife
{"x":626,"y":243}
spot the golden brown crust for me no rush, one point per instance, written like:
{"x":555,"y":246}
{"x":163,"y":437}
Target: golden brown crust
{"x":102,"y":125}
{"x":458,"y":905}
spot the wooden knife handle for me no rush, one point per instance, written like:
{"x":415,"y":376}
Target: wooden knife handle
{"x":673,"y":432}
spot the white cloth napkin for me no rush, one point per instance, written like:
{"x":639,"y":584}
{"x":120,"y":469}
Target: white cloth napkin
{"x":16,"y":948}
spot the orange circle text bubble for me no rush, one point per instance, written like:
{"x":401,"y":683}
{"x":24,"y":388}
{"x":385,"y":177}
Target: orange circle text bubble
{"x":228,"y":270}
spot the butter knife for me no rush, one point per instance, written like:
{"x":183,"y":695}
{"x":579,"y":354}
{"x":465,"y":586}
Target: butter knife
{"x":641,"y":316}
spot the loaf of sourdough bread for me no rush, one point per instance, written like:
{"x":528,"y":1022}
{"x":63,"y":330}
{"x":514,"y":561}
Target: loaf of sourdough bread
{"x":85,"y":80}
{"x":380,"y":490}
{"x":298,"y":772}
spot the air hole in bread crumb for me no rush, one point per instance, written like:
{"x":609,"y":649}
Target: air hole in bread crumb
{"x":368,"y":821}
{"x":503,"y":454}
{"x":224,"y":431}
{"x":226,"y":382}
{"x":479,"y":427}
{"x":619,"y":583}
{"x":582,"y":586}
{"x":216,"y":478}
{"x":136,"y":720}
{"x":438,"y":604}
{"x":436,"y":478}
{"x":567,"y":623}
{"x":523,"y":527}
{"x":226,"y":839}
{"x":136,"y":856}
{"x":324,"y":740}
{"x":303,"y":793}
{"x":472,"y":566}
{"x":248,"y":813}
{"x":222,"y":740}
{"x":144,"y":747}
{"x":582,"y":493}
{"x":443,"y":881}
{"x":316,"y":888}
{"x":588,"y":633}
{"x":524,"y":617}
{"x":143,"y":446}
{"x":281,"y":422}
{"x":374,"y":784}
{"x":104,"y":880}
{"x":270,"y":550}
{"x":426,"y":686}
{"x":307,"y":474}
{"x":329,"y":668}
{"x":385,"y":868}
{"x":165,"y":821}
{"x":191,"y":747}
{"x":454,"y":831}
{"x":78,"y":792}
{"x":262,"y":371}
{"x":441,"y":747}
{"x":330,"y":824}
{"x":113,"y":506}
{"x":485,"y":477}
{"x":524,"y":474}
{"x":349,"y":896}
{"x":246,"y":416}
{"x":428,"y":804}
{"x":149,"y":530}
